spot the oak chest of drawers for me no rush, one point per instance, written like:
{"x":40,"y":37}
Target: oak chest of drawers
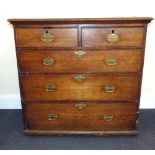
{"x":80,"y":76}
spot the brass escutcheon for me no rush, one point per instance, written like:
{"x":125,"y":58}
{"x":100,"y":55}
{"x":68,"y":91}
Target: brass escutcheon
{"x":112,"y":37}
{"x":79,"y":78}
{"x":111,"y":61}
{"x":50,"y":87}
{"x":48,"y":61}
{"x":80,"y":106}
{"x":109,"y":88}
{"x":46,"y":37}
{"x":108,"y":118}
{"x":52,"y":117}
{"x":79,"y":54}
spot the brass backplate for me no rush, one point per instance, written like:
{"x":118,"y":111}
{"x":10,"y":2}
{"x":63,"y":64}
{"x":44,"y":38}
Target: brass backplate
{"x":48,"y":61}
{"x":47,"y":37}
{"x":108,"y":118}
{"x":111,"y":61}
{"x":52,"y":117}
{"x":50,"y":87}
{"x":109,"y":88}
{"x":112,"y":37}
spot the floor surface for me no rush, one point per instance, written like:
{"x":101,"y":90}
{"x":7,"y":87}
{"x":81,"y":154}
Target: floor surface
{"x":13,"y":138}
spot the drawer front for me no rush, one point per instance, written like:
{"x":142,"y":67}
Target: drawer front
{"x":112,"y":36}
{"x":99,"y":61}
{"x":80,"y":87}
{"x":94,"y":116}
{"x":51,"y":37}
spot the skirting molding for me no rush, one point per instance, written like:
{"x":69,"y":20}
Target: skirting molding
{"x":13,"y":102}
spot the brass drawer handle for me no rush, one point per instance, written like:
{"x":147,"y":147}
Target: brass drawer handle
{"x":50,"y":87}
{"x":112,"y":37}
{"x":79,"y":78}
{"x":80,"y":106}
{"x":111,"y":61}
{"x":109,"y":88}
{"x":47,"y":37}
{"x":108,"y":118}
{"x":79,"y":54}
{"x":48,"y":61}
{"x":52,"y":117}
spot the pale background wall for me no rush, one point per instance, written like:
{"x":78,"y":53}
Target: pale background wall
{"x":9,"y":89}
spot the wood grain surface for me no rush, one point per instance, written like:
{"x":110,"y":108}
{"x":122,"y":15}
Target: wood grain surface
{"x":31,"y":37}
{"x":91,"y":88}
{"x":65,"y":61}
{"x":89,"y":119}
{"x":98,"y":36}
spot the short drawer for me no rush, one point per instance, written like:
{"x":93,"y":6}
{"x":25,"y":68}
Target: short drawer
{"x":75,"y":61}
{"x":69,"y":116}
{"x":80,"y":87}
{"x":46,"y":37}
{"x":112,"y":36}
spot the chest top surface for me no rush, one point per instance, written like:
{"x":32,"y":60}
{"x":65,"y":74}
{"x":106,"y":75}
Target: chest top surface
{"x":81,"y":20}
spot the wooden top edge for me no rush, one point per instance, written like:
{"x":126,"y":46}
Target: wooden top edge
{"x":80,"y":20}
